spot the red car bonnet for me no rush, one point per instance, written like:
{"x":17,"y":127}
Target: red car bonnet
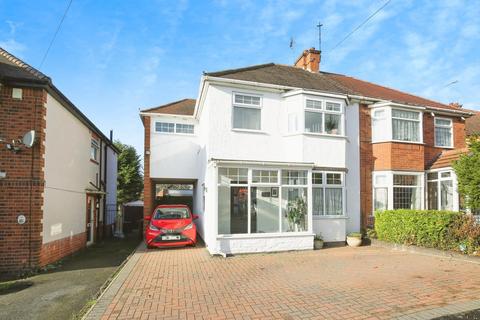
{"x":171,"y":223}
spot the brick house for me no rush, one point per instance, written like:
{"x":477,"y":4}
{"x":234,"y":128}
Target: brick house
{"x":59,"y":195}
{"x":259,"y":138}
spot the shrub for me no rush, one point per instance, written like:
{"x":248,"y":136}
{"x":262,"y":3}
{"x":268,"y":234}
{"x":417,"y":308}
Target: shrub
{"x":427,"y":228}
{"x":464,"y":234}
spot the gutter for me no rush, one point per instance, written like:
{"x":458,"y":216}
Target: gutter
{"x":263,"y":163}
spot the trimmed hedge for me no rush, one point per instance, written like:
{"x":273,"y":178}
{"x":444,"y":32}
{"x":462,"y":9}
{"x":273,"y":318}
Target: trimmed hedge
{"x":426,"y":228}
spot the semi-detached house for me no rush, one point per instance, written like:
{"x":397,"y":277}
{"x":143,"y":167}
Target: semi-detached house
{"x":58,"y":195}
{"x":258,"y":139}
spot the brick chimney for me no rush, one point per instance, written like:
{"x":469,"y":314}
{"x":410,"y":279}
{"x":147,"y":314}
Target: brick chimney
{"x":309,"y":60}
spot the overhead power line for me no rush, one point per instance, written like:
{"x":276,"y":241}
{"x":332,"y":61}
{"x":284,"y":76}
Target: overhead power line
{"x":361,"y":24}
{"x":56,"y":32}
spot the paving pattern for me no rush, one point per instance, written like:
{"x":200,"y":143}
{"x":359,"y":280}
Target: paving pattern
{"x":335,"y":283}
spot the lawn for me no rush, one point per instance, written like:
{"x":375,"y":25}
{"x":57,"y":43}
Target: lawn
{"x":66,"y":291}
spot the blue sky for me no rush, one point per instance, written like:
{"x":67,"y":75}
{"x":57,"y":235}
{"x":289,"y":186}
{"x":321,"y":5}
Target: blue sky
{"x":113,"y":57}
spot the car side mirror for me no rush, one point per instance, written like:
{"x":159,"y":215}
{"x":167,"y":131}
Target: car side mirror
{"x":195,"y":216}
{"x":147,"y":218}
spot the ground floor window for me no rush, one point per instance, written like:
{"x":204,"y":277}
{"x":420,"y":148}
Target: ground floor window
{"x":440,"y":191}
{"x":397,"y":190}
{"x":327,"y":193}
{"x":262,"y":200}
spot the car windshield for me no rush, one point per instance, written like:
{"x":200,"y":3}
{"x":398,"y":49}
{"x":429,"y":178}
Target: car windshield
{"x":171,"y":213}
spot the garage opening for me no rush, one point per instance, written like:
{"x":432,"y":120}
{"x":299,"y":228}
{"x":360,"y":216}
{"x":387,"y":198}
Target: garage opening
{"x":173,"y":192}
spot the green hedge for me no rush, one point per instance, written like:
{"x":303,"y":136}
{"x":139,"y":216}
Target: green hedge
{"x":427,"y":228}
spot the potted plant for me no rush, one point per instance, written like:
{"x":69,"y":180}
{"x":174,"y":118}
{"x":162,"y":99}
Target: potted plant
{"x":317,"y":242}
{"x":296,"y":211}
{"x":354,"y":239}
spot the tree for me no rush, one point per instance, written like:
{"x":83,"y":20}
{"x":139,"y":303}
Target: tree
{"x":130,"y":179}
{"x":467,"y":168}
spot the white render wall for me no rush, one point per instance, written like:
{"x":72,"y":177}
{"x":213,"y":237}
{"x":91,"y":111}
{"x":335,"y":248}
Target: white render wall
{"x":173,"y":156}
{"x":68,"y":171}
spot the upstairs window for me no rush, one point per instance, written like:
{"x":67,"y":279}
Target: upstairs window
{"x":406,"y":125}
{"x":168,"y":127}
{"x":94,"y":150}
{"x":246,"y":112}
{"x":323,"y":117}
{"x":443,"y":132}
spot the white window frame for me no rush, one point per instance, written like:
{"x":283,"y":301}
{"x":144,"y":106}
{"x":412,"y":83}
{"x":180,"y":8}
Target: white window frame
{"x":325,"y":186}
{"x":443,"y":126}
{"x":323,"y":110}
{"x":95,"y":143}
{"x":419,"y":120}
{"x":438,"y":180}
{"x":280,"y":187}
{"x":244,"y":105}
{"x":388,"y":123}
{"x":174,"y":128}
{"x":389,"y":185}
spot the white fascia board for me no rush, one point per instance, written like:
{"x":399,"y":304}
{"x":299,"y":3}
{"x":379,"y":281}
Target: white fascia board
{"x":166,"y":116}
{"x":458,"y":113}
{"x":202,"y":93}
{"x":243,"y":84}
{"x":314,"y":93}
{"x":394,"y":104}
{"x":262,"y":163}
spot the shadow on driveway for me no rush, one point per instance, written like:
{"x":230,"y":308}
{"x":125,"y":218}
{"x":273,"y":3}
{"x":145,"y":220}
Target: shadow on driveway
{"x":62,"y":292}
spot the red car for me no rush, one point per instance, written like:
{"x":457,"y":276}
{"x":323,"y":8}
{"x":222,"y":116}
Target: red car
{"x":171,"y":225}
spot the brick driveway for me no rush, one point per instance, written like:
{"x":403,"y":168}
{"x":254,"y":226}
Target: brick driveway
{"x":336,"y":283}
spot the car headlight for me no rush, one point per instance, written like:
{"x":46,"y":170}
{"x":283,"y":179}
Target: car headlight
{"x":188,"y":226}
{"x":152,"y":227}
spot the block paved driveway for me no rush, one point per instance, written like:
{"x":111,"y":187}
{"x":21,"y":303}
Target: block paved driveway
{"x":335,"y":283}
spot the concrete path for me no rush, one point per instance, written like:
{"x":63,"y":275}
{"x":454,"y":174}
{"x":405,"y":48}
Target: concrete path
{"x":336,"y":283}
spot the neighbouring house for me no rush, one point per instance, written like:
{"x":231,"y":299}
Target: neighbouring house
{"x":58,"y":195}
{"x":263,"y":144}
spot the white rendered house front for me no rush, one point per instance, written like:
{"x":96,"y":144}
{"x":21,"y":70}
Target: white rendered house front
{"x":254,"y":153}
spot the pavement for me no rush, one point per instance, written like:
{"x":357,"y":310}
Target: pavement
{"x":334,"y":283}
{"x":63,"y":292}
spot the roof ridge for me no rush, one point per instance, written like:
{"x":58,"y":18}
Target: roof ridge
{"x":393,"y":89}
{"x":227,"y":71}
{"x":22,"y":64}
{"x":168,"y":104}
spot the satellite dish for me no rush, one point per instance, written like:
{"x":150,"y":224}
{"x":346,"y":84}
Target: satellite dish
{"x":29,"y":139}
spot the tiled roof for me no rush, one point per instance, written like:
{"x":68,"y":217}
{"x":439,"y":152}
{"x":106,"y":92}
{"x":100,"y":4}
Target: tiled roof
{"x":181,"y":107}
{"x":446,"y":158}
{"x":472,"y":124}
{"x":324,"y":81}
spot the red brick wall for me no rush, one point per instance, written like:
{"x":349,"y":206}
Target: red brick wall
{"x":147,"y":183}
{"x":397,"y":156}
{"x":21,"y":192}
{"x":55,"y":250}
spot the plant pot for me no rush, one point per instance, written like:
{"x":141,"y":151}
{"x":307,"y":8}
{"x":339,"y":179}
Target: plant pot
{"x":354,"y":241}
{"x":317,"y":244}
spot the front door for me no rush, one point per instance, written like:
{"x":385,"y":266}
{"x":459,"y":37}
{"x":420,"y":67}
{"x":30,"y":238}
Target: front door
{"x":90,"y":219}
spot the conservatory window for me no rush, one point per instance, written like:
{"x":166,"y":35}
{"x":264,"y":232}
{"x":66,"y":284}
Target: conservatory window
{"x":327,"y":194}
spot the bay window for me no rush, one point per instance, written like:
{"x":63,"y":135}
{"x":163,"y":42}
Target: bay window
{"x":246,"y":112}
{"x":327,"y":193}
{"x":440,"y":191}
{"x":395,"y":124}
{"x":323,"y":117}
{"x":443,"y":133}
{"x":397,"y":190}
{"x":405,"y":125}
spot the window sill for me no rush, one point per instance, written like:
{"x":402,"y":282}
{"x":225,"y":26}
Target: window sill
{"x":175,"y":134}
{"x":444,"y":147}
{"x":264,"y":235}
{"x":329,"y":217}
{"x":399,"y":141}
{"x":249,"y":131}
{"x":316,"y":135}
